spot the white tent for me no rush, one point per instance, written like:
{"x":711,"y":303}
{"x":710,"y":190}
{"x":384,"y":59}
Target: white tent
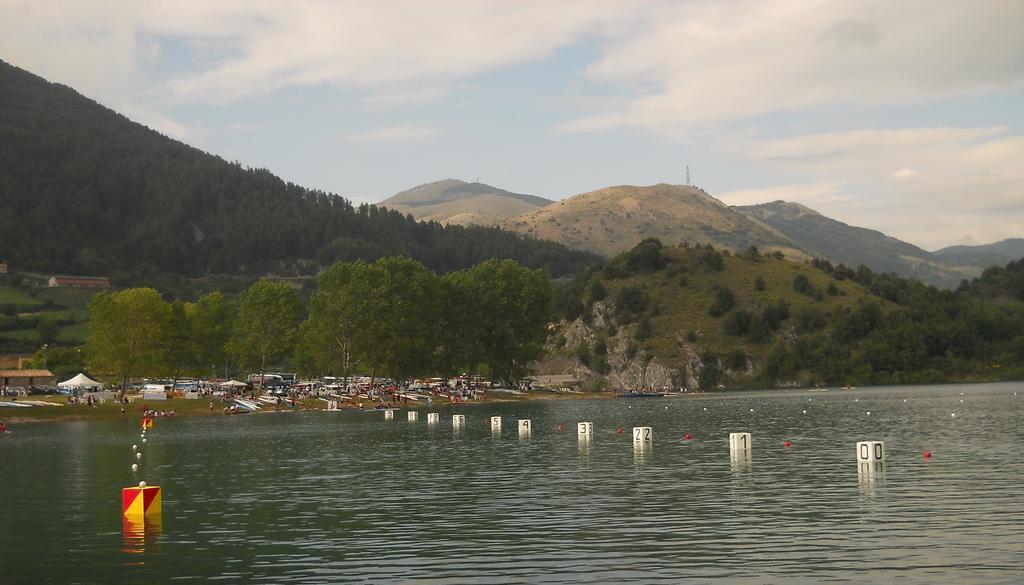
{"x":81,"y":381}
{"x":233,"y":383}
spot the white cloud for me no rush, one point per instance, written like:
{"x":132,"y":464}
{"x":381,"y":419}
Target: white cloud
{"x":706,"y":62}
{"x":673,"y":64}
{"x":965,"y":180}
{"x":394,"y":134}
{"x":401,"y":48}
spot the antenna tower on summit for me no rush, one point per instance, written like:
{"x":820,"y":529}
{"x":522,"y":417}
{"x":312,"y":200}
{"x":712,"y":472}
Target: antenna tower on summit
{"x":688,"y":183}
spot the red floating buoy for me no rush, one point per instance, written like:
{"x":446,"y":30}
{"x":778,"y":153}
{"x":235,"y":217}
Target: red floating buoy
{"x":927,"y":454}
{"x":687,"y":437}
{"x":561,"y":427}
{"x":618,"y":431}
{"x":787,"y":444}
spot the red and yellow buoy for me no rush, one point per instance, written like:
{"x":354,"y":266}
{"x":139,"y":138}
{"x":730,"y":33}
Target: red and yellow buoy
{"x":147,"y":423}
{"x":141,"y":501}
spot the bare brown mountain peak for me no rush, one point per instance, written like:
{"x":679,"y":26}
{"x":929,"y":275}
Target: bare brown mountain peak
{"x":454,"y":201}
{"x":614,"y":219}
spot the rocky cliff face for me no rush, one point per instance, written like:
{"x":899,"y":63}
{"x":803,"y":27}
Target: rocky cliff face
{"x":575,"y":347}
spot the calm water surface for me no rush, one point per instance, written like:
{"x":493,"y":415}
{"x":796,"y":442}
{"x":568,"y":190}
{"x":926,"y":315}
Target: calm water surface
{"x":350,"y":497}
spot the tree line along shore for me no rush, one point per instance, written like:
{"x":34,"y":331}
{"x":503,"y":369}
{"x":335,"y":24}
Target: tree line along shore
{"x":392,"y":318}
{"x":686,"y":316}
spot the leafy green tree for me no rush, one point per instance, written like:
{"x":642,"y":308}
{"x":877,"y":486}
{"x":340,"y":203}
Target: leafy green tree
{"x":179,"y":349}
{"x":737,"y":323}
{"x":62,"y":361}
{"x":597,"y":291}
{"x":210,"y":319}
{"x":583,"y":353}
{"x":47,"y":330}
{"x":128,"y":328}
{"x":759,"y":330}
{"x":631,"y":300}
{"x":645,"y":256}
{"x":517,"y":304}
{"x":266,"y":324}
{"x":724,"y":301}
{"x":711,"y":259}
{"x":643,"y":329}
{"x":802,"y":284}
{"x":462,"y":325}
{"x":568,"y":305}
{"x":340,"y":317}
{"x":735,"y":359}
{"x":404,"y":326}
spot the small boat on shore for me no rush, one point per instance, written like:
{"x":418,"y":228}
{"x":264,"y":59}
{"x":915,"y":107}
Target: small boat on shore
{"x":643,"y":395}
{"x":248,"y":404}
{"x":40,"y":403}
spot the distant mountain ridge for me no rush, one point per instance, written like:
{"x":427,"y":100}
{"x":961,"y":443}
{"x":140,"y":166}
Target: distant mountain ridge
{"x":451,"y":201}
{"x":984,"y":255}
{"x":824,"y":237}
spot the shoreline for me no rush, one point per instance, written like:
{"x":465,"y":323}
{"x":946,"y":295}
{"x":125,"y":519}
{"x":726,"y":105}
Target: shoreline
{"x":183,"y":408}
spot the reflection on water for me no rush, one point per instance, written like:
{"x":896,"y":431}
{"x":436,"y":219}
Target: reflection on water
{"x":869,"y":476}
{"x":350,"y":497}
{"x":740,"y":461}
{"x":141,"y":534}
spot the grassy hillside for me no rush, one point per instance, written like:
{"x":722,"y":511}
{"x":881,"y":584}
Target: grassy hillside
{"x":32,"y":314}
{"x":698,"y":317}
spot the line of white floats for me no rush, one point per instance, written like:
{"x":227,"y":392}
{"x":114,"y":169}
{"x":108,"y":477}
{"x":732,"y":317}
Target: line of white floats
{"x":867,"y":451}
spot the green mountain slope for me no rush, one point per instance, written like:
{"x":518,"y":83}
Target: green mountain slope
{"x":823,"y":237}
{"x":86,"y":190}
{"x":698,"y":318}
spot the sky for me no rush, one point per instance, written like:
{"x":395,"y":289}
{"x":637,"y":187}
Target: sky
{"x":904,"y":116}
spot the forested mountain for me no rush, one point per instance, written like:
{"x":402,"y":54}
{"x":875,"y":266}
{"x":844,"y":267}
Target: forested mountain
{"x":698,"y":317}
{"x":86,"y":190}
{"x":452,"y":201}
{"x":824,"y":237}
{"x":612,"y":220}
{"x":984,"y":256}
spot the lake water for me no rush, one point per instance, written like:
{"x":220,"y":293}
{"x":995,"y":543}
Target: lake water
{"x":350,"y":497}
